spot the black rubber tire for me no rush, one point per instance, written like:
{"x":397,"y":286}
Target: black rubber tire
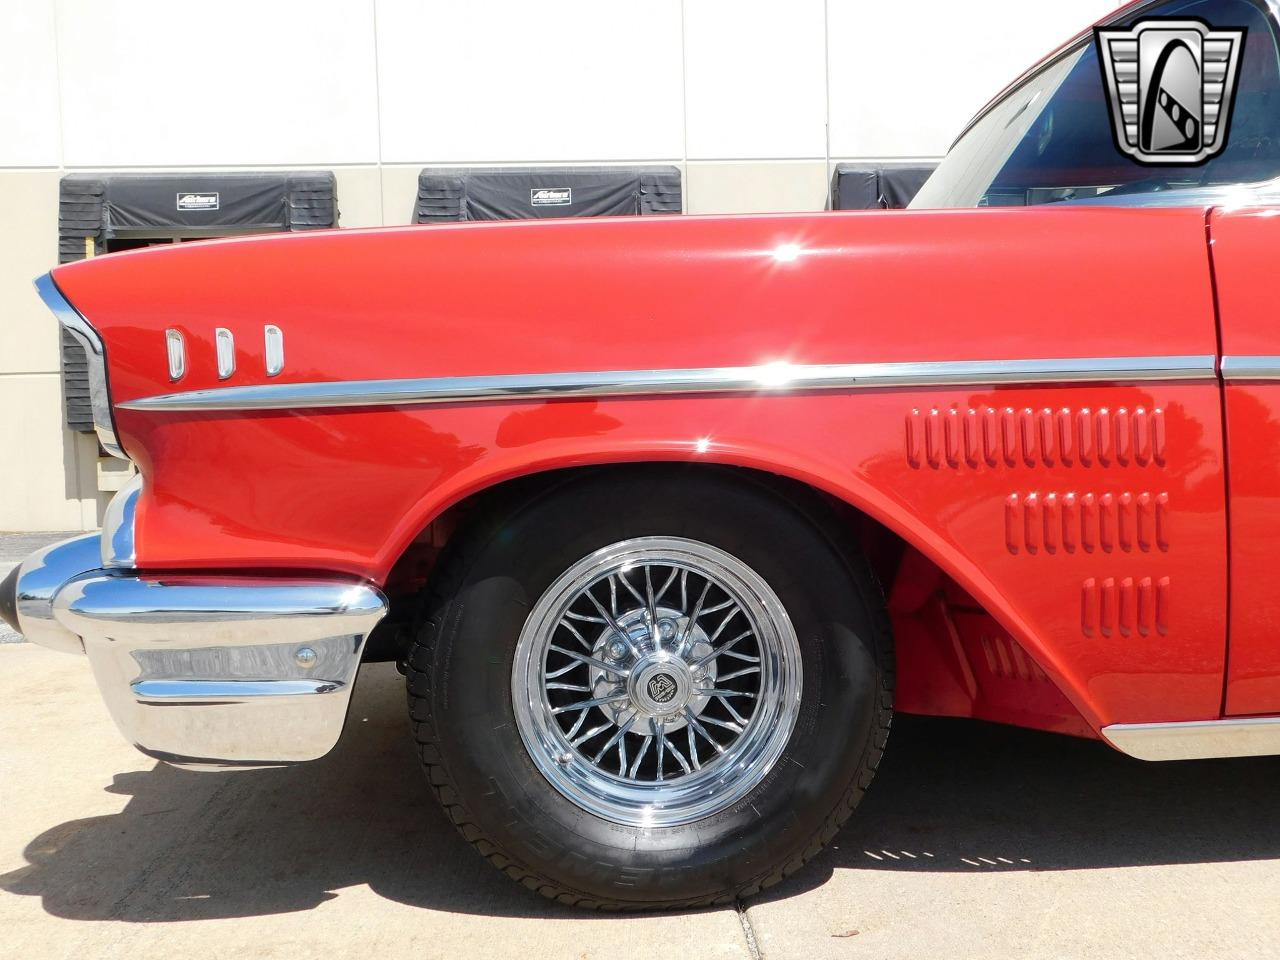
{"x":459,"y":690}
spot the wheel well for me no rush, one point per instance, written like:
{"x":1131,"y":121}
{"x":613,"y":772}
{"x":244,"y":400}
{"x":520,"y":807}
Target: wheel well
{"x":953,"y":657}
{"x":881,"y":546}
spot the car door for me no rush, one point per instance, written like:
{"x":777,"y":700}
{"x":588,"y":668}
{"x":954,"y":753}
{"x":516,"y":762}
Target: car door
{"x":1245,"y":245}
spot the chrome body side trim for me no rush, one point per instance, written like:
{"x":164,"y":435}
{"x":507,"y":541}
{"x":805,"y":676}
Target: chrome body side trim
{"x":119,"y":538}
{"x":1197,"y":739}
{"x":1250,"y":368}
{"x":766,"y":378}
{"x":96,"y":357}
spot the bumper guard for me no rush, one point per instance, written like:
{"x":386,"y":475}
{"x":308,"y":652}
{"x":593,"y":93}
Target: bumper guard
{"x":205,"y":672}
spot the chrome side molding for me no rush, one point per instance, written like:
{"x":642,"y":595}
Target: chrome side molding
{"x":96,"y":357}
{"x":1197,"y":739}
{"x":766,"y":378}
{"x":1250,"y":368}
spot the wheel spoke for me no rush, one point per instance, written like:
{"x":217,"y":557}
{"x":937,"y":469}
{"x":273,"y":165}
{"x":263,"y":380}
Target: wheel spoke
{"x":692,"y":622}
{"x":684,"y":764}
{"x":738,"y":673}
{"x":720,"y":606}
{"x":618,"y":735}
{"x":572,"y":615}
{"x":592,"y":661}
{"x":662,"y":744}
{"x":732,"y":712}
{"x":716,"y":692}
{"x":576,"y":687}
{"x":563,"y":670}
{"x":720,"y":723}
{"x":723,"y":649}
{"x":588,"y":704}
{"x":612,"y":622}
{"x":723,"y":623}
{"x":577,"y":724}
{"x":591,"y":733}
{"x":630,"y":589}
{"x":693,"y":745}
{"x":695,"y":724}
{"x":644,"y":748}
{"x":574,"y":630}
{"x":651,"y":609}
{"x":663,"y":591}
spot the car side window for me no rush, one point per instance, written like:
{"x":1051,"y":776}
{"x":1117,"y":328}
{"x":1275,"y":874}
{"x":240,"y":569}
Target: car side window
{"x":1050,"y":139}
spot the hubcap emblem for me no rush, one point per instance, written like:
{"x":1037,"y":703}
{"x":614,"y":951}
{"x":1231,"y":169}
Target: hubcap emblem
{"x":662,"y":687}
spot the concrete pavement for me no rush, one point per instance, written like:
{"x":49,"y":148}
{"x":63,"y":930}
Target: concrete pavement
{"x":975,"y":841}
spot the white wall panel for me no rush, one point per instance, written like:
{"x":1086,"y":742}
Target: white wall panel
{"x":755,"y":78}
{"x":906,"y":77}
{"x":28,"y":85}
{"x":506,"y":80}
{"x":156,"y":82}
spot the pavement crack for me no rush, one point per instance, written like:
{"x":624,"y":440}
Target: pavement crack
{"x":753,"y":947}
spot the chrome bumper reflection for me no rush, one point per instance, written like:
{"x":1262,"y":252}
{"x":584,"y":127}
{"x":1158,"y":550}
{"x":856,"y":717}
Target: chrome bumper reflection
{"x":205,"y":672}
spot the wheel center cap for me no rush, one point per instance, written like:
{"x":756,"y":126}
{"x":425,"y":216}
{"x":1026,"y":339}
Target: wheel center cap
{"x":660,"y":685}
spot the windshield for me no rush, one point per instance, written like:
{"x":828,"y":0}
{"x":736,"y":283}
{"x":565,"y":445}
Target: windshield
{"x":1050,"y":140}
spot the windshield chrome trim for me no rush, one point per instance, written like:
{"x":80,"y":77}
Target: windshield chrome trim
{"x":96,"y":355}
{"x":767,"y":378}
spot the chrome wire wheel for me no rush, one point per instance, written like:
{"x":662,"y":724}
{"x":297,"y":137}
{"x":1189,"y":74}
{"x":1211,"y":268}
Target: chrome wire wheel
{"x":656,"y":681}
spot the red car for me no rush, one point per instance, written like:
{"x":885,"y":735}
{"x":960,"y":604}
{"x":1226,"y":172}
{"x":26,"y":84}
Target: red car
{"x":663,"y":518}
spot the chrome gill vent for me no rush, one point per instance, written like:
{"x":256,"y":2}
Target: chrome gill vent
{"x":275,"y":350}
{"x":177,"y":351}
{"x":226,"y":346}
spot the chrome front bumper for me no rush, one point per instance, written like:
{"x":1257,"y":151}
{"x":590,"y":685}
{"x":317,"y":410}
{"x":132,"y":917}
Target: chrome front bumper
{"x":205,"y":672}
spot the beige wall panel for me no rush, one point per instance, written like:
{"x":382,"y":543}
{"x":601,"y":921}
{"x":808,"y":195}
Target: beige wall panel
{"x":41,"y":472}
{"x":766,"y":187}
{"x":359,"y":196}
{"x":399,"y":194}
{"x":28,"y":248}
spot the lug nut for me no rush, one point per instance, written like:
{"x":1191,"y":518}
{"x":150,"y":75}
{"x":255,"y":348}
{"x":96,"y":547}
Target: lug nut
{"x":306,"y":658}
{"x":617,"y":649}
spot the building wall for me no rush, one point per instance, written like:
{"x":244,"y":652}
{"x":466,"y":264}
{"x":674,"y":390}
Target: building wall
{"x":755,"y":100}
